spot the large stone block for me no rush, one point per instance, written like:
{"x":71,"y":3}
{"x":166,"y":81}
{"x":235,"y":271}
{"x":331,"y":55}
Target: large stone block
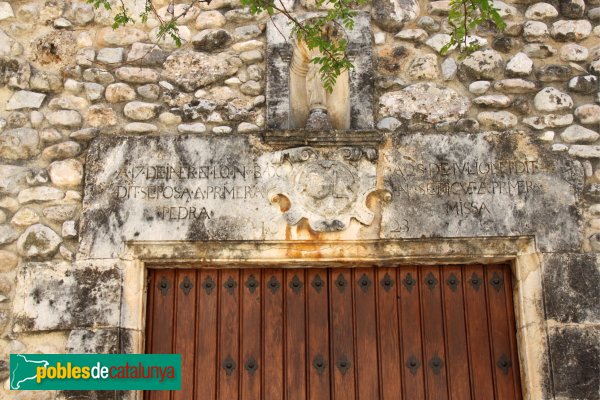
{"x":484,"y":184}
{"x":575,"y":355}
{"x":64,"y":296}
{"x":572,"y":287}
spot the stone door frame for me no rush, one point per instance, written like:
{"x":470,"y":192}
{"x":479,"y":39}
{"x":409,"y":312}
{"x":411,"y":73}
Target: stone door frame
{"x":521,"y":252}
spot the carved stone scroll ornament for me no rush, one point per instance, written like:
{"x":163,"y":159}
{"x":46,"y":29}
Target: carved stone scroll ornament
{"x":328,"y":188}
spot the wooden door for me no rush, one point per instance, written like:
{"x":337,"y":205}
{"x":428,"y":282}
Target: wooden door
{"x":408,"y":332}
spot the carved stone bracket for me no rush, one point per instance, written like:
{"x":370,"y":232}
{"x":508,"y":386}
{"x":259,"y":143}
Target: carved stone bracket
{"x":328,"y":187}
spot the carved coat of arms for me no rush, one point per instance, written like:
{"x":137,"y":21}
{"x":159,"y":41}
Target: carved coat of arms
{"x":328,"y":188}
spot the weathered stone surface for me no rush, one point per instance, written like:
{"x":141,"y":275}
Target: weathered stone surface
{"x":19,"y":144}
{"x":137,"y":75}
{"x":588,"y":114}
{"x":571,"y":31}
{"x":449,"y":69}
{"x":7,"y":234}
{"x":61,"y":212}
{"x":551,"y":99}
{"x":210,"y":19}
{"x":553,"y":73}
{"x":111,"y":55}
{"x":12,"y":179}
{"x":40,"y":193}
{"x":579,"y":134}
{"x":140,"y":111}
{"x":479,"y":87}
{"x":68,"y":102}
{"x":103,"y":341}
{"x":66,"y":174}
{"x":38,"y":242}
{"x":578,"y":375}
{"x":192,"y":128}
{"x":472,"y":185}
{"x":140,"y":127}
{"x":123,"y":36}
{"x":63,"y":296}
{"x":482,"y":64}
{"x":424,"y":102}
{"x":519,"y":65}
{"x":246,"y":127}
{"x":61,"y":151}
{"x":25,"y":99}
{"x":6,"y":11}
{"x":251,"y":56}
{"x":389,"y":124}
{"x":538,"y":50}
{"x":8,"y":260}
{"x":572,"y":284}
{"x":416,"y":35}
{"x":548,"y":121}
{"x":391,"y":15}
{"x":101,"y":116}
{"x":541,"y":11}
{"x":149,"y":92}
{"x":25,"y":217}
{"x":113,"y":210}
{"x":65,"y":118}
{"x":211,"y":40}
{"x":424,"y":67}
{"x":572,"y":8}
{"x":191,"y":70}
{"x":145,"y":54}
{"x":535,"y":31}
{"x":493,"y":100}
{"x":497,"y":119}
{"x":119,"y":92}
{"x":585,"y":84}
{"x":585,"y":151}
{"x":573,"y":52}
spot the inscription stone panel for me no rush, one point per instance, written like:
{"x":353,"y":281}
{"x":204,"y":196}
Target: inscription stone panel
{"x":217,"y":188}
{"x":481,"y":185}
{"x":227,"y":188}
{"x":173,"y":188}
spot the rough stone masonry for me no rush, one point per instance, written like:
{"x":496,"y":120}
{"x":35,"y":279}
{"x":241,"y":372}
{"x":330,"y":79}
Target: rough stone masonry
{"x":173,"y":144}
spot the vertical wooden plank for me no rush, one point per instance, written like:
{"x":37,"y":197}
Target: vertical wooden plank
{"x":206,"y":340}
{"x":295,"y":321}
{"x":390,"y":361}
{"x":410,"y":331}
{"x":508,"y":292}
{"x":456,"y":336}
{"x":162,"y":318}
{"x":367,"y":368}
{"x":149,"y":317}
{"x":433,"y":333}
{"x":185,"y":329}
{"x":342,"y":341}
{"x":273,"y":339}
{"x":251,"y":334}
{"x":502,"y":361}
{"x":319,"y":364}
{"x":229,"y":315}
{"x":477,"y":333}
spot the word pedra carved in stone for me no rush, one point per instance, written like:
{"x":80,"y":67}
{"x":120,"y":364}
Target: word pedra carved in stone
{"x":325,"y":187}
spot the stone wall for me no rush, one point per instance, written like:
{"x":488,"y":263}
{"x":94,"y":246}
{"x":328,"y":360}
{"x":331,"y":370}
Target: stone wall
{"x":69,"y":82}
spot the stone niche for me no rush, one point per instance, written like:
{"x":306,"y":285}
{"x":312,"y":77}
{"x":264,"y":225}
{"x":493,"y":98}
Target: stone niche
{"x":191,"y":188}
{"x":351,"y":103}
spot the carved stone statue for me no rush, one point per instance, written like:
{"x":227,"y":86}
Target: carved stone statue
{"x":312,"y":107}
